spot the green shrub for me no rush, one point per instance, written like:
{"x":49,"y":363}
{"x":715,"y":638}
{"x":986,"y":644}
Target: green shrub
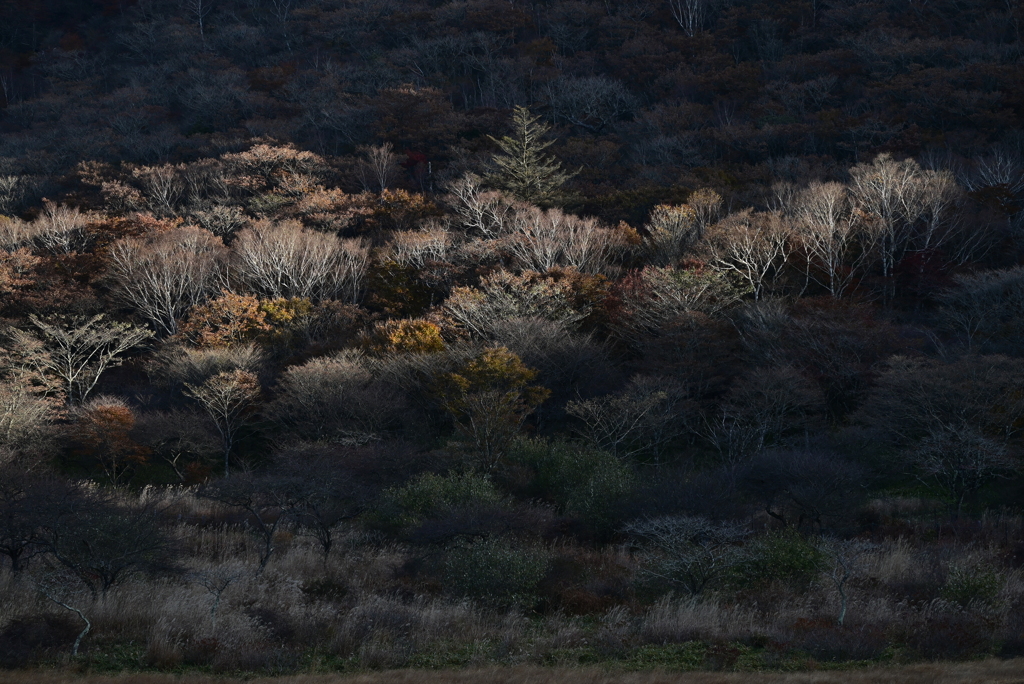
{"x":975,"y":584}
{"x":582,"y":481}
{"x":497,"y":570}
{"x":430,"y":496}
{"x":783,"y":556}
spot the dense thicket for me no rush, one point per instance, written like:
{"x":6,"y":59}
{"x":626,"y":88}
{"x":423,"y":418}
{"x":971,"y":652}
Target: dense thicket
{"x":367,"y":334}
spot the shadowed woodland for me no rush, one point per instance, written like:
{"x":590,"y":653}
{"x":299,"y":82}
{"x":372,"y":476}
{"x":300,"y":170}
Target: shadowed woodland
{"x":340,"y":335}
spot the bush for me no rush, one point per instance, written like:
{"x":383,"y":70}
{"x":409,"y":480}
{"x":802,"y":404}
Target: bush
{"x":950,"y":635}
{"x":584,"y":482}
{"x":971,"y":585}
{"x":498,"y":570}
{"x":825,"y":640}
{"x":783,"y":556}
{"x":432,"y":496}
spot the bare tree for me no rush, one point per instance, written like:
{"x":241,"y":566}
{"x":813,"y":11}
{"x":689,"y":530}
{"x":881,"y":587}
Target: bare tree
{"x":199,"y":10}
{"x":637,"y":422}
{"x":888,"y":193}
{"x":417,"y":247}
{"x":103,"y":543}
{"x":25,"y":413}
{"x":164,"y":185}
{"x":707,"y":208}
{"x":228,"y":398}
{"x":503,"y":296}
{"x":986,"y":307}
{"x":753,"y":246}
{"x":825,"y":227}
{"x":60,"y":228}
{"x":592,"y":102}
{"x":286,"y":260}
{"x":761,"y":409}
{"x":959,"y":461}
{"x":333,"y":400}
{"x":58,"y":586}
{"x":689,"y":552}
{"x":377,"y":167}
{"x":541,"y":240}
{"x":75,"y":352}
{"x":216,"y":581}
{"x":691,"y":15}
{"x":673,"y":231}
{"x":266,"y":504}
{"x":845,"y":560}
{"x":487,"y":213}
{"x":164,"y":274}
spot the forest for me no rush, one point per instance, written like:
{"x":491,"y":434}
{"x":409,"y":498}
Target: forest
{"x":347,"y":335}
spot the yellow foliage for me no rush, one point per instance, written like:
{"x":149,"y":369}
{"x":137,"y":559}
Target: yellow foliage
{"x":413,"y":336}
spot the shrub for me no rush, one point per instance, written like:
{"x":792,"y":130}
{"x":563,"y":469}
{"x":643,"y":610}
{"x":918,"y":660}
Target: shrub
{"x":971,"y":585}
{"x":825,"y":640}
{"x":431,"y":496}
{"x":413,"y":336}
{"x":497,"y":570}
{"x":783,"y":556}
{"x":583,"y":482}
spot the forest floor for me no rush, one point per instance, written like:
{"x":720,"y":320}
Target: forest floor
{"x":978,"y":672}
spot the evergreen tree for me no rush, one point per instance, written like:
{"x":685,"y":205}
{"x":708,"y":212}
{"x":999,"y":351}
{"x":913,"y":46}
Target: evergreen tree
{"x":522,"y":169}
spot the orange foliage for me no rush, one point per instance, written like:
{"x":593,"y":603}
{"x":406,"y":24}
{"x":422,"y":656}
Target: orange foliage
{"x":103,"y":430}
{"x":224,"y":321}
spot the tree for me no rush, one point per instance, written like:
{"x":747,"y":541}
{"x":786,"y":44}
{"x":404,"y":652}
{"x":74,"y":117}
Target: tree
{"x":673,"y":231}
{"x":811,"y":490}
{"x":826,"y":228}
{"x":490,"y":397}
{"x":164,"y":274}
{"x":845,"y":560}
{"x":185,"y":440}
{"x":228,"y":397}
{"x":541,"y":240}
{"x":101,"y":542}
{"x":958,"y":461}
{"x":58,"y":587}
{"x":378,"y":167}
{"x":691,"y":15}
{"x":103,"y":429}
{"x":334,"y":399}
{"x":59,"y":229}
{"x":986,"y":308}
{"x":638,"y":421}
{"x":284,"y":260}
{"x":687,"y":551}
{"x":503,"y":296}
{"x":592,"y":102}
{"x":74,"y":352}
{"x":266,"y":503}
{"x":323,"y":494}
{"x":199,"y":9}
{"x":654,"y":297}
{"x":226,"y":320}
{"x":762,"y":408}
{"x":522,"y":169}
{"x":25,"y":502}
{"x":25,"y":413}
{"x":753,"y":246}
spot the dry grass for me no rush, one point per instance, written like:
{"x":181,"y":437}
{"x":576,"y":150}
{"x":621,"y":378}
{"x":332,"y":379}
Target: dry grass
{"x":982,"y":672}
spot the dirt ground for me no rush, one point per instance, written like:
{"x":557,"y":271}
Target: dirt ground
{"x":982,"y":672}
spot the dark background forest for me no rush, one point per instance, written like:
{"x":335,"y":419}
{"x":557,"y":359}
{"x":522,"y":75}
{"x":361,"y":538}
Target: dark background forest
{"x":347,"y":334}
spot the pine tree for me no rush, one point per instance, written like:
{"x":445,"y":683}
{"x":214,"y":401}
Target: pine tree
{"x":523,"y":170}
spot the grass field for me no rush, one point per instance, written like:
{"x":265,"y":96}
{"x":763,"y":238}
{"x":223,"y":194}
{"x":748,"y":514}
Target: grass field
{"x":980,"y":672}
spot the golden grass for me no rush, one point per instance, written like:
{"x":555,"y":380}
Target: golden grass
{"x":980,"y":672}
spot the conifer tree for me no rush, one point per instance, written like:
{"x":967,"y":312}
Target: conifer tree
{"x":522,"y":169}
